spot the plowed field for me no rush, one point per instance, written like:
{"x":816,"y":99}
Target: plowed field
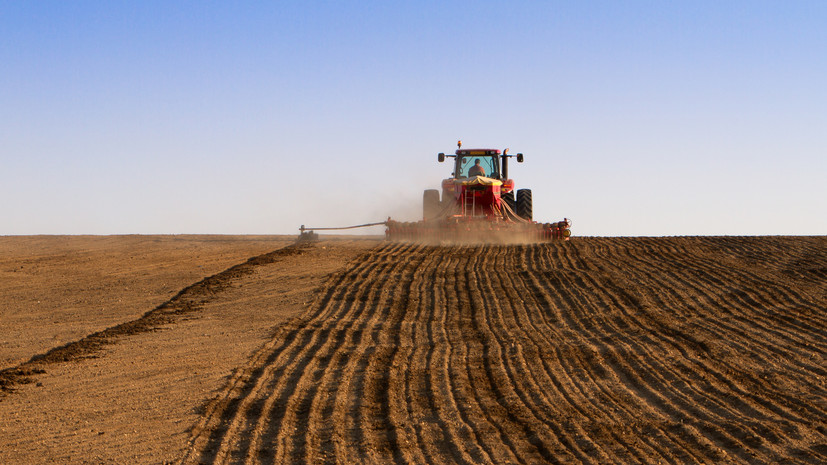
{"x":595,"y":351}
{"x":599,"y":350}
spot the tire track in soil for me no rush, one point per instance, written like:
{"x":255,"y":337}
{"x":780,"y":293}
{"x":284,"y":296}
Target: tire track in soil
{"x":633,"y":350}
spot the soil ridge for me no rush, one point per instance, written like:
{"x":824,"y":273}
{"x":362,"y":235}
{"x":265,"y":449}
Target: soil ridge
{"x":186,"y":302}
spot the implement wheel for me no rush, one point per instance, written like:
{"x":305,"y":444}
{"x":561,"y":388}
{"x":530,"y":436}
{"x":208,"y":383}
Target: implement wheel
{"x":525,"y":209}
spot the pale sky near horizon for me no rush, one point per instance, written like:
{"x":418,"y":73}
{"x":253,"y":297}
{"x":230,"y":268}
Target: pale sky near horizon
{"x":635,"y":118}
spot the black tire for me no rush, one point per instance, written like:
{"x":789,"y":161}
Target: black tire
{"x":512,"y":204}
{"x":430,"y":204}
{"x":525,"y":209}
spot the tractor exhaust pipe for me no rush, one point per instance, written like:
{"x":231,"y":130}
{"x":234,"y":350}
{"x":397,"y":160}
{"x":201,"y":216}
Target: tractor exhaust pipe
{"x":506,"y":156}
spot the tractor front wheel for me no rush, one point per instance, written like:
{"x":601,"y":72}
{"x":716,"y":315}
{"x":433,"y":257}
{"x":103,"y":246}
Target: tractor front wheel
{"x":524,"y":204}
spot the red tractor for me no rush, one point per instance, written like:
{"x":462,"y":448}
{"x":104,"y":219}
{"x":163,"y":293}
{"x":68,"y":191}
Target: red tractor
{"x":480,"y":187}
{"x":478,"y":203}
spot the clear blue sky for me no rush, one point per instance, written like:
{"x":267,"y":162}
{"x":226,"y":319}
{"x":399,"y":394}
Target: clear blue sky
{"x":635,"y":118}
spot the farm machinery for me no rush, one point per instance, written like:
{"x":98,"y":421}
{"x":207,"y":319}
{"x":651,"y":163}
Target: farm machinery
{"x":479,"y":202}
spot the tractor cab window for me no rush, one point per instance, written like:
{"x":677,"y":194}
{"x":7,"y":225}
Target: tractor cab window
{"x":468,"y":166}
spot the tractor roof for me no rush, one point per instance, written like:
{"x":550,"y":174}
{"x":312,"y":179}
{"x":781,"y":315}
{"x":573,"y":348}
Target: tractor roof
{"x":478,"y":152}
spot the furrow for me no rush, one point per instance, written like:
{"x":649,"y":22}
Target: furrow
{"x":586,"y":320}
{"x":589,"y":364}
{"x":706,"y":406}
{"x":517,"y":325}
{"x":754,"y":318}
{"x":724,"y":332}
{"x":309,"y":429}
{"x":491,"y":383}
{"x":452,"y":387}
{"x":598,"y":350}
{"x":745,"y":292}
{"x":255,"y":380}
{"x":436,"y":437}
{"x":412,"y":347}
{"x":716,"y":407}
{"x":260,"y":440}
{"x":211,"y":429}
{"x":565,"y":411}
{"x":466,"y":366}
{"x":381,"y":431}
{"x":585,"y":360}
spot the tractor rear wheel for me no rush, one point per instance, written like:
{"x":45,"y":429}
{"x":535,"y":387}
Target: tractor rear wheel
{"x":430,"y":204}
{"x":512,"y":204}
{"x":524,"y":204}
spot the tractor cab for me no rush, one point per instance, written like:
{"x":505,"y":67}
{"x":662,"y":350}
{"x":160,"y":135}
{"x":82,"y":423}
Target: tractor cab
{"x":477,"y":163}
{"x":479,"y":184}
{"x":492,"y":162}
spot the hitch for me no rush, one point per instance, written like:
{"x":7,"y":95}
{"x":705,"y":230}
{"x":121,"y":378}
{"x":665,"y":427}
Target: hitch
{"x":307,"y":235}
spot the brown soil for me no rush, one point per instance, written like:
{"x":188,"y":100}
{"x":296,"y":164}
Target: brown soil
{"x":130,"y":387}
{"x":600,"y":350}
{"x":57,"y":289}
